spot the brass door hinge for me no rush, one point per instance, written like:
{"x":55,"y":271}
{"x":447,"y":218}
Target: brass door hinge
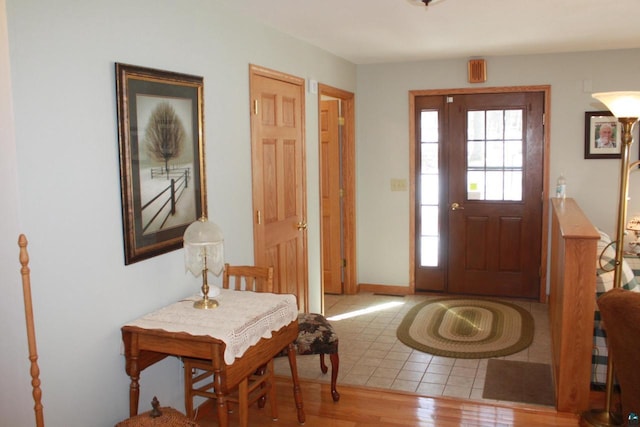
{"x":255,"y":107}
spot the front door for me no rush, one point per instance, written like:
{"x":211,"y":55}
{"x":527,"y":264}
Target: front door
{"x":479,"y":186}
{"x":279,"y":186}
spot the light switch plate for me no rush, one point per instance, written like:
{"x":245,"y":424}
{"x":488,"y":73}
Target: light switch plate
{"x":313,"y":86}
{"x":398,"y":184}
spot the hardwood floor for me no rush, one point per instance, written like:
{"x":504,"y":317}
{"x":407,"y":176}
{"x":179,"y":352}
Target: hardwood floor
{"x":360,"y":407}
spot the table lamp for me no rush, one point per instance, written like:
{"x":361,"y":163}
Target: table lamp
{"x":204,"y":253}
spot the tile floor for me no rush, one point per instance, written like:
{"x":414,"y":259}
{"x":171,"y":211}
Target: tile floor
{"x":371,"y":355}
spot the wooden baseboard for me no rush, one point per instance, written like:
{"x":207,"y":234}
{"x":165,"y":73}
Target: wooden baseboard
{"x":384,"y":289}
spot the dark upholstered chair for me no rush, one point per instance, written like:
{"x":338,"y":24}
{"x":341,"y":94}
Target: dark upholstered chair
{"x":317,"y":336}
{"x":620,"y":311}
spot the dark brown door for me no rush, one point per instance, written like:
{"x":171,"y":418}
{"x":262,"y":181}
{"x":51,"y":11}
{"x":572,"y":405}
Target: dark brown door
{"x":488,"y":173}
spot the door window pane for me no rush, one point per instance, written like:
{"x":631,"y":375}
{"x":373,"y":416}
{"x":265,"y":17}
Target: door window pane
{"x":495,"y":124}
{"x":494,"y":185}
{"x":429,"y":225}
{"x":475,"y":185}
{"x":495,"y":155}
{"x":429,"y":126}
{"x":429,"y":251}
{"x":513,"y":124}
{"x":475,"y":153}
{"x":429,"y":194}
{"x":475,"y":125}
{"x":513,"y":154}
{"x":513,"y":185}
{"x":429,"y":157}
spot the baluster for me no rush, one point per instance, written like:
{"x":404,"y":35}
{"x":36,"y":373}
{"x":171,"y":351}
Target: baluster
{"x":31,"y":335}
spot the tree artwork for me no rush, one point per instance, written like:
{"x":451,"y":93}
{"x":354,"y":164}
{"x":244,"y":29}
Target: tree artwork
{"x":165,"y":134}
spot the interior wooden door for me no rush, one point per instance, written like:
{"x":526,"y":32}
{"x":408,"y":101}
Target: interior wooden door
{"x":278,"y":176}
{"x":346,"y":171}
{"x":495,"y":194}
{"x":330,"y":168}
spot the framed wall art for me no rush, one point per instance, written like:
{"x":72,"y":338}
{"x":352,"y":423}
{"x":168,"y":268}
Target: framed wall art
{"x":162,"y":169}
{"x":601,"y":135}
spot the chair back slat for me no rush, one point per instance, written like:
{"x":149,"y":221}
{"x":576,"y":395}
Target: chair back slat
{"x":247,"y":278}
{"x":31,"y":334}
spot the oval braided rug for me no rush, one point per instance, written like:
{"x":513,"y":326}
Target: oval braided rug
{"x":467,"y":328}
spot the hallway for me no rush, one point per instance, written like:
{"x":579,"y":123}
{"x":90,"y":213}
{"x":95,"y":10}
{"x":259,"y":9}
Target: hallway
{"x":372,"y":356}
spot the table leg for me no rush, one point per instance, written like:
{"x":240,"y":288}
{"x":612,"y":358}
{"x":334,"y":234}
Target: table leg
{"x":297,"y":394}
{"x":134,"y":395}
{"x":132,"y":367}
{"x":221,"y":400}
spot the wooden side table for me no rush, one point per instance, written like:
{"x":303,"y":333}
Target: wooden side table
{"x":177,"y":330}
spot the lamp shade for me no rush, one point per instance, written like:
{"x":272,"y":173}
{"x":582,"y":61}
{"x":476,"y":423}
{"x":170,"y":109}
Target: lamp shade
{"x":621,"y":104}
{"x":203,"y":247}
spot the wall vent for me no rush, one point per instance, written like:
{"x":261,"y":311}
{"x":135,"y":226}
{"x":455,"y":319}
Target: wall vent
{"x":477,"y":71}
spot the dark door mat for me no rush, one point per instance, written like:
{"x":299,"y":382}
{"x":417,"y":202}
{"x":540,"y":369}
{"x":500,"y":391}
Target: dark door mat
{"x":519,"y":382}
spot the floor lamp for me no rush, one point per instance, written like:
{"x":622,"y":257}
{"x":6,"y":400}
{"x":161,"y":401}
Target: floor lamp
{"x":626,"y":107}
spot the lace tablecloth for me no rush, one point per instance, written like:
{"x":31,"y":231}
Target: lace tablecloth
{"x":240,"y":320}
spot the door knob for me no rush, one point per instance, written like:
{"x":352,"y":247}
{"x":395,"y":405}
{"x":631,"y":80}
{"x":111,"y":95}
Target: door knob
{"x":302,"y":225}
{"x":456,"y":206}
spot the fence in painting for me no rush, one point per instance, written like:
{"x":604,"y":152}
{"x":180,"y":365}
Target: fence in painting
{"x":165,"y":201}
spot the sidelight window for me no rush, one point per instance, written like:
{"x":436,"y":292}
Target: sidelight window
{"x":429,"y":189}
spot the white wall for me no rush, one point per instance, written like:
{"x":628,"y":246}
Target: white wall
{"x":382,"y":117}
{"x":60,"y":184}
{"x":14,"y":397}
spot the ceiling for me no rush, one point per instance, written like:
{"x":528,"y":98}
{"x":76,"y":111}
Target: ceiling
{"x":381,"y":31}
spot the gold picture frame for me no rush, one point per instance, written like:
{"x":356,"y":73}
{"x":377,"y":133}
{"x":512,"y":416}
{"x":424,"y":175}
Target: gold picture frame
{"x":162,"y":168}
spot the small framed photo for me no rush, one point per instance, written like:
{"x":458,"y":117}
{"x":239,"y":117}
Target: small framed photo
{"x":602,"y":137}
{"x":162,"y":169}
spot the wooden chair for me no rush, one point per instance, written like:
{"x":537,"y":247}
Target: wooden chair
{"x":247,"y":278}
{"x":315,"y":333}
{"x":198,"y":378}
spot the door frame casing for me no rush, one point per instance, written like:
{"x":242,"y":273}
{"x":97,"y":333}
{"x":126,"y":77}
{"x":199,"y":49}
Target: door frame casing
{"x":413,"y":94}
{"x":348,"y":154}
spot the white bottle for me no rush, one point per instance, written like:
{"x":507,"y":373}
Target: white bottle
{"x":561,"y":187}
